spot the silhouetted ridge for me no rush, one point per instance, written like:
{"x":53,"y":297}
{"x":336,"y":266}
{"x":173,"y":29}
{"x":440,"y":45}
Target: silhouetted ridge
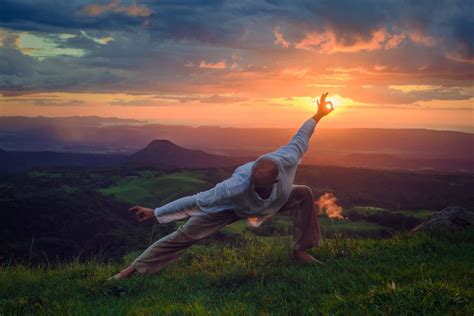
{"x":19,"y":161}
{"x":163,"y":142}
{"x":162,"y":153}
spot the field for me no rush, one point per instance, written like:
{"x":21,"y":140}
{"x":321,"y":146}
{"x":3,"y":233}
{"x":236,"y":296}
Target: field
{"x":148,"y":188}
{"x":418,"y":274}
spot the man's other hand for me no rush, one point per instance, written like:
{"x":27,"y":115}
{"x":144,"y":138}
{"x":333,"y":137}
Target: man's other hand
{"x":324,"y":107}
{"x":142,"y":213}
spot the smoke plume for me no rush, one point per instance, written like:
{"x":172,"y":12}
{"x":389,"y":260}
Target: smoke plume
{"x":327,"y":205}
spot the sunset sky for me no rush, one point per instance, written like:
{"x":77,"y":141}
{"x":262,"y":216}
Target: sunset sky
{"x":391,"y":64}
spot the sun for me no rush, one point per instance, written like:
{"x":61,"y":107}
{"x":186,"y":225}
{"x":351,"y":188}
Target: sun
{"x":335,"y":99}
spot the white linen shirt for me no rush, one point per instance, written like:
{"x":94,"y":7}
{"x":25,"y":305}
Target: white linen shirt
{"x":236,"y":194}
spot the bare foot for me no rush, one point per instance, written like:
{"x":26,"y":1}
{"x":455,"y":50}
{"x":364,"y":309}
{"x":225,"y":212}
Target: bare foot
{"x":301,"y":256}
{"x":125,"y":273}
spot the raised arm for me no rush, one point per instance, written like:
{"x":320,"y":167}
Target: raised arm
{"x":293,"y":152}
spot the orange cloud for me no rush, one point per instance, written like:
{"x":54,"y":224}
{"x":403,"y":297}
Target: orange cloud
{"x":279,"y":38}
{"x":394,"y":41}
{"x":300,"y":72}
{"x":327,"y":42}
{"x":218,"y":65}
{"x":379,"y":67}
{"x":116,"y":6}
{"x":419,"y":38}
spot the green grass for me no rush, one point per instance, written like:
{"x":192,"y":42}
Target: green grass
{"x":329,"y":225}
{"x":235,"y":228}
{"x":152,"y":189}
{"x":367,"y":210}
{"x":418,"y":274}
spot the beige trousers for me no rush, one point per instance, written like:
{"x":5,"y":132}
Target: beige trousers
{"x":300,"y":204}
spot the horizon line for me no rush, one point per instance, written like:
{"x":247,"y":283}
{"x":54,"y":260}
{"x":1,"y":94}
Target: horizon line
{"x":467,"y":130}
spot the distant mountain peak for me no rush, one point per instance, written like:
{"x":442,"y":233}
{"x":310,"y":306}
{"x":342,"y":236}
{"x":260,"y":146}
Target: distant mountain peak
{"x":163,"y":142}
{"x":163,"y":153}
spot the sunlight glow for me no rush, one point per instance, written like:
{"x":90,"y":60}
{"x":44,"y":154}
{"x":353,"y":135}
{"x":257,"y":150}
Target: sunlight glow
{"x":336,"y":101}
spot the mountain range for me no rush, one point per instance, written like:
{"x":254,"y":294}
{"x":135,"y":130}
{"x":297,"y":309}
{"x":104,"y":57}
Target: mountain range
{"x":414,"y":149}
{"x":160,"y":154}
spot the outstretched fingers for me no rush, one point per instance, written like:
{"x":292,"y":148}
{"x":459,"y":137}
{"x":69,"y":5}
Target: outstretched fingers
{"x":141,"y":215}
{"x":329,"y":105}
{"x":134,"y":208}
{"x":323,"y":98}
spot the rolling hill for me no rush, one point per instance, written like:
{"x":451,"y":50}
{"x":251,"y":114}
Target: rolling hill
{"x":164,"y":154}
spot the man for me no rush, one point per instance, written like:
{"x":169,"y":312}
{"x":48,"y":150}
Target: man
{"x":256,"y":191}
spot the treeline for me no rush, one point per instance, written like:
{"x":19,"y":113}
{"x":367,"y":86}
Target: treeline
{"x":61,"y":225}
{"x":388,"y":189}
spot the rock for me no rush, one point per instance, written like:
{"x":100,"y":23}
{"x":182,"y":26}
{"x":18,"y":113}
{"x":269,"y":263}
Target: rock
{"x":450,"y":219}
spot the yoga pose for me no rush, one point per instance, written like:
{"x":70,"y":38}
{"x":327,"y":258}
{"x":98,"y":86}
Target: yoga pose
{"x":256,"y":191}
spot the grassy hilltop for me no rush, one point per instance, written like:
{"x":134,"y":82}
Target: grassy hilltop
{"x":419,"y":274}
{"x":373,"y":266}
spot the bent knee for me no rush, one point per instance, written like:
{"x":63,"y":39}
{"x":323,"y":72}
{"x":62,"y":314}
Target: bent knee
{"x":192,"y":234}
{"x":180,"y":237}
{"x":305,"y":191}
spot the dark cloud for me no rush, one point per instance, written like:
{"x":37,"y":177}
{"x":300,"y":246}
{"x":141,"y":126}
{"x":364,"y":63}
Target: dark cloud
{"x":203,"y":99}
{"x":14,"y":65}
{"x":80,"y":40}
{"x":463,"y":33}
{"x":144,"y":47}
{"x":20,"y":73}
{"x":45,"y":101}
{"x":411,"y":107}
{"x":226,"y":21}
{"x":60,"y":16}
{"x":391,"y":96}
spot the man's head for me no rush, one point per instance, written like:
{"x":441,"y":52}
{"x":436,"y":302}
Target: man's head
{"x":264,"y":173}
